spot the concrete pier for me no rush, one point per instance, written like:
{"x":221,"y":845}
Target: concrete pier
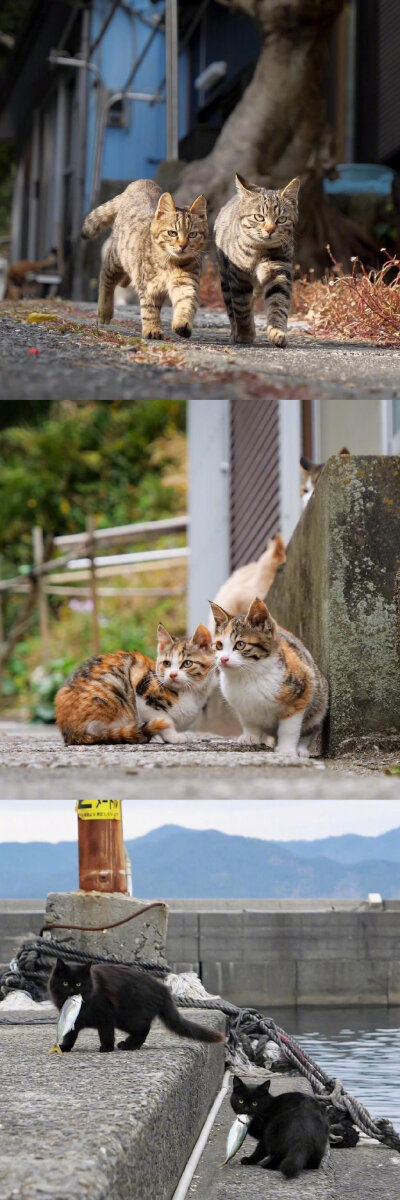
{"x":92,"y":1126}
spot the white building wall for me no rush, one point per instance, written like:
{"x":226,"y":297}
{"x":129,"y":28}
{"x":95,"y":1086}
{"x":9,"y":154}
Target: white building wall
{"x":208,"y":447}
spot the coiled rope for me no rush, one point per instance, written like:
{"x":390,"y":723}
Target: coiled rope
{"x":30,"y":969}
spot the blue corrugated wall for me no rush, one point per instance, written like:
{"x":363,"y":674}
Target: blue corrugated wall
{"x":134,"y":152}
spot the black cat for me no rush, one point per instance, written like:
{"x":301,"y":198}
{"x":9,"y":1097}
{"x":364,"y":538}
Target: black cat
{"x":290,"y":1129}
{"x":122,"y":997}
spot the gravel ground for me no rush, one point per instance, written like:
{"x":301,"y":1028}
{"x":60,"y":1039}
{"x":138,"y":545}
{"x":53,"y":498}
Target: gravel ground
{"x":73,"y":360}
{"x":34,"y":763}
{"x":93,"y":1126}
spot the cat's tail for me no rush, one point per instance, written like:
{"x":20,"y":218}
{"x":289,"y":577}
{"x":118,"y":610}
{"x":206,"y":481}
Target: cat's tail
{"x":100,"y":218}
{"x":172,"y":1018}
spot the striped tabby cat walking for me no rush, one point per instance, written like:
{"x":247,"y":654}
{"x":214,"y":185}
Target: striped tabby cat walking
{"x":254,"y":237}
{"x":157,"y":248}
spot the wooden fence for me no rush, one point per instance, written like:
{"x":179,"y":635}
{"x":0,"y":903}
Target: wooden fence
{"x":70,"y":565}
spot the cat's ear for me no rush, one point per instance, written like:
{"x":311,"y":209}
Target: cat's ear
{"x":202,"y":638}
{"x":237,"y":1083}
{"x":291,"y":191}
{"x":199,"y":206}
{"x":60,"y":965}
{"x":244,"y":187}
{"x":264,"y":1087}
{"x":164,"y":638}
{"x":166,"y":205}
{"x":258,"y":613}
{"x":219,"y":614}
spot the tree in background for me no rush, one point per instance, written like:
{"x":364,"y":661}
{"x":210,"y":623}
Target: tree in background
{"x":279,"y":128}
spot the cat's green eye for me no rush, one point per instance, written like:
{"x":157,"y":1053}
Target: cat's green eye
{"x":172,"y":233}
{"x":258,"y":216}
{"x":254,"y":1104}
{"x":218,"y":645}
{"x":65,"y":983}
{"x":240,"y":645}
{"x":188,"y":662}
{"x":241,"y":1101}
{"x":191,"y":235}
{"x":281,"y":220}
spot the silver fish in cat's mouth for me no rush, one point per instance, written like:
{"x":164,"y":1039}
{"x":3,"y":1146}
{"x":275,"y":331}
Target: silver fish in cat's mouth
{"x":66,"y":1021}
{"x":237,"y":1133}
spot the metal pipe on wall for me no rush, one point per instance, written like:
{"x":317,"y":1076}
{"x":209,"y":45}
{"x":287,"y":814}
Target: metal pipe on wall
{"x":171,"y":55}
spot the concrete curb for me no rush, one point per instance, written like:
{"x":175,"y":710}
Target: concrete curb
{"x":108,"y":1127}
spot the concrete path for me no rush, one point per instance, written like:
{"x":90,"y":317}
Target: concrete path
{"x":358,"y":1174}
{"x":93,"y":1126}
{"x":74,"y":359}
{"x":35,"y":764}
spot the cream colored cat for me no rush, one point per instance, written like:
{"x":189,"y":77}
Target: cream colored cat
{"x":254,"y":579}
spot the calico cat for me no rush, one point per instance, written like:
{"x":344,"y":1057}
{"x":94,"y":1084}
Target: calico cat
{"x":254,"y":235}
{"x":310,"y":473}
{"x":270,"y":679}
{"x":254,"y":579}
{"x":125,"y":998}
{"x":291,"y":1129}
{"x":157,"y":248}
{"x":127,"y":697}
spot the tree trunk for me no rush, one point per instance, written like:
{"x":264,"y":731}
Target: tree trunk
{"x":279,"y":128}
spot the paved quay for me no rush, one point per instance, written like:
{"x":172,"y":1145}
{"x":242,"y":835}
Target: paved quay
{"x":101,"y":1126}
{"x":357,"y":1174}
{"x":35,"y":764}
{"x":71,"y":359}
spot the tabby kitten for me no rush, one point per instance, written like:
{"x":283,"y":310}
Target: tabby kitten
{"x":291,"y":1129}
{"x":127,"y":697}
{"x":270,"y":679}
{"x":154,"y":246}
{"x":119,"y":997}
{"x":310,"y":473}
{"x":254,"y":236}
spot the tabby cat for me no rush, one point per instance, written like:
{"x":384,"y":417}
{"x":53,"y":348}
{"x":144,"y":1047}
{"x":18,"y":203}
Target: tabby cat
{"x":291,"y":1129}
{"x":119,"y":997}
{"x":254,"y":235}
{"x":270,"y":679}
{"x":254,"y":579}
{"x":154,"y":246}
{"x":127,"y":697}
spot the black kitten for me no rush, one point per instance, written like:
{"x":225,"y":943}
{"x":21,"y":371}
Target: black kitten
{"x":122,"y":997}
{"x":290,"y":1129}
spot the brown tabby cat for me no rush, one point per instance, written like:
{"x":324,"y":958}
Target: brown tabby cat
{"x":154,"y":246}
{"x":127,"y":697}
{"x":269,"y":679}
{"x":254,"y":236}
{"x":310,"y":473}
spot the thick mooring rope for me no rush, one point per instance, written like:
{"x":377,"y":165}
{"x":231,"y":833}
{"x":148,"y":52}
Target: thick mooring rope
{"x":30,"y":969}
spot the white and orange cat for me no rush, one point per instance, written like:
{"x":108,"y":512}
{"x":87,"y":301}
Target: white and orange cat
{"x":270,"y":680}
{"x":253,"y":579}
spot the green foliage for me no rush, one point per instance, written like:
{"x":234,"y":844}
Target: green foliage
{"x":44,"y":688}
{"x":95,"y":458}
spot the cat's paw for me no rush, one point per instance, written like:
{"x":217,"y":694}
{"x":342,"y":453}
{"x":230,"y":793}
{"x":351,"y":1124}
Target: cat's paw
{"x":183,"y":331}
{"x":277,"y":337}
{"x":251,"y":739}
{"x":105,"y":314}
{"x":153,"y":334}
{"x":243,"y":337}
{"x":303,"y":752}
{"x":246,"y":1161}
{"x":106,"y":1049}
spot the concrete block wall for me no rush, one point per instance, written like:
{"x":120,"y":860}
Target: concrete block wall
{"x":271,"y":957}
{"x":337,"y":593}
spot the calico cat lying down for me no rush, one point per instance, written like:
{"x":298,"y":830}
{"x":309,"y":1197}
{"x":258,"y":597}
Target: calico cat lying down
{"x":125,"y":998}
{"x":291,"y":1129}
{"x":269,"y":679}
{"x":127,"y":697}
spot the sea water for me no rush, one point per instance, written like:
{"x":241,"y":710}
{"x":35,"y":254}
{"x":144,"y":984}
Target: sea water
{"x":360,"y":1046}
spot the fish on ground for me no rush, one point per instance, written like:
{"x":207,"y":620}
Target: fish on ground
{"x":66,"y":1021}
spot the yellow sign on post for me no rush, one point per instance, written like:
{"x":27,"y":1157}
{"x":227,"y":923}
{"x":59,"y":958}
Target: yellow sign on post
{"x":98,"y":810}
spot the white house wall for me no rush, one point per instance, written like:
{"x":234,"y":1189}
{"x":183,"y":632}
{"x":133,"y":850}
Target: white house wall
{"x":208,"y":450}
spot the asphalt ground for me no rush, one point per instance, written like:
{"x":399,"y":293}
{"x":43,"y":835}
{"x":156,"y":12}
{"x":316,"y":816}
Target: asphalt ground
{"x":69,"y":358}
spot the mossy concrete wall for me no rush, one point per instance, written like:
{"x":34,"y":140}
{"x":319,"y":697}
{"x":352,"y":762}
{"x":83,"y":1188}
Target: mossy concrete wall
{"x":337,"y":593}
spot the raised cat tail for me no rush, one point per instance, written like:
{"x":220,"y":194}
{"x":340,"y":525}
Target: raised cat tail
{"x":100,"y":218}
{"x":171,"y":1017}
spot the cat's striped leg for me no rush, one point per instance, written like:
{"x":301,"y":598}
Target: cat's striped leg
{"x":184,"y":295}
{"x":223,"y":264}
{"x":241,"y":285}
{"x":276,"y":282}
{"x":110,"y":275}
{"x":150,"y":309}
